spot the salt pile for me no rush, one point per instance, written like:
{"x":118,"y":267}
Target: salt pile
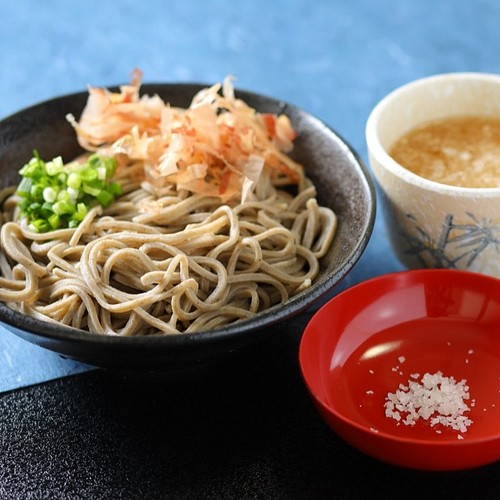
{"x":436,"y":397}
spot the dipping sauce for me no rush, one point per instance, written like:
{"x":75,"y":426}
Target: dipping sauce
{"x":461,"y":151}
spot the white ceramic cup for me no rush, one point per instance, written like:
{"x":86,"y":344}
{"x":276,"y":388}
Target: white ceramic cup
{"x":432,"y":224}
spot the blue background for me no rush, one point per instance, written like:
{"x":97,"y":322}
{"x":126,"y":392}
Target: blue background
{"x":335,"y":59}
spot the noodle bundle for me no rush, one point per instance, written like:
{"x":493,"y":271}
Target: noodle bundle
{"x":175,"y":252}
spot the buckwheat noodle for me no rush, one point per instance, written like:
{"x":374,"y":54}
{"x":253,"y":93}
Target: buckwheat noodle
{"x":168,"y":262}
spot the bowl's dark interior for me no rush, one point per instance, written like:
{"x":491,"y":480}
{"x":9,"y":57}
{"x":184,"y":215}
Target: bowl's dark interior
{"x":342,"y":183}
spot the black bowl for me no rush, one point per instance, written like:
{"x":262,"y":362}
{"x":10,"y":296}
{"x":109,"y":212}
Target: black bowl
{"x":343,"y":184}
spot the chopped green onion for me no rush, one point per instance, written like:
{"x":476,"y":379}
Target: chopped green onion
{"x":34,"y":207}
{"x":63,"y":195}
{"x":49,"y":194}
{"x":89,"y":174}
{"x":54,"y":221}
{"x":55,"y":166}
{"x":37,"y":193}
{"x":39,"y":226}
{"x":74,"y":180}
{"x":73,"y":193}
{"x":89,"y":189}
{"x":81,"y":211}
{"x":53,"y":195}
{"x":101,"y":173}
{"x":46,"y":207}
{"x":63,"y":207}
{"x":104,"y":198}
{"x":25,"y":186}
{"x":82,"y":208}
{"x":115,"y":188}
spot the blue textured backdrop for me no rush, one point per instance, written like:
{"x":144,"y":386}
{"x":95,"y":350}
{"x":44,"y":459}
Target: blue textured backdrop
{"x":334,"y":58}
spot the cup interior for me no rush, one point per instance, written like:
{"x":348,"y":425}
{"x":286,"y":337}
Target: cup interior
{"x":423,"y":101}
{"x":431,"y":98}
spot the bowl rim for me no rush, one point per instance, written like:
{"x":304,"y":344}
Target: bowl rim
{"x":386,"y":162}
{"x":294,"y":305}
{"x":395,"y":277}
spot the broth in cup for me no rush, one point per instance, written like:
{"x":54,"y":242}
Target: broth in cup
{"x":441,"y":204}
{"x":460,"y":151}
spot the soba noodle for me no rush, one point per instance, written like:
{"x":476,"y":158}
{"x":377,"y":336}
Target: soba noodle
{"x":166,"y":261}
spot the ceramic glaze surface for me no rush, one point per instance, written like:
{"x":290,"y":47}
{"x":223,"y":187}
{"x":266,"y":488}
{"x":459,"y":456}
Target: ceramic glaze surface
{"x":432,"y":224}
{"x":390,"y":330}
{"x":342,"y":181}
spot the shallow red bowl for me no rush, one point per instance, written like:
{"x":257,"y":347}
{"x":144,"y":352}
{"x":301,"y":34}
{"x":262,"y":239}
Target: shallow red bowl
{"x":370,"y":338}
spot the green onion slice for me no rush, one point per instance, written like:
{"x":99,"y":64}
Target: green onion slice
{"x":53,"y":195}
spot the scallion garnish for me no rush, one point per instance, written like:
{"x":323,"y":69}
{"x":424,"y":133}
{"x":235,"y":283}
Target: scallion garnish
{"x":53,"y":195}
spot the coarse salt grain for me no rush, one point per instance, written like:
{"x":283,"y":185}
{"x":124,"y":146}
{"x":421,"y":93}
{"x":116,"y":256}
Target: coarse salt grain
{"x":437,"y":399}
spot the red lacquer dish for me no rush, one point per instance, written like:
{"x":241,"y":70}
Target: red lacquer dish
{"x":365,"y":353}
